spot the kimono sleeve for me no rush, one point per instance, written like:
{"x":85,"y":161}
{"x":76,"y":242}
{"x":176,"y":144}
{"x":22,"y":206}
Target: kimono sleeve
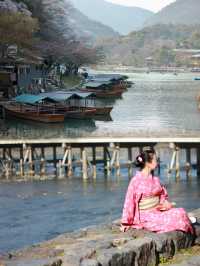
{"x":130,"y":214}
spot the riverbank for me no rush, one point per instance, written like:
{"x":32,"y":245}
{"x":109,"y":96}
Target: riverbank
{"x":106,"y":245}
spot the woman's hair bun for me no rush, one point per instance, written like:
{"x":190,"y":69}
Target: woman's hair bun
{"x":140,"y":161}
{"x":142,"y":158}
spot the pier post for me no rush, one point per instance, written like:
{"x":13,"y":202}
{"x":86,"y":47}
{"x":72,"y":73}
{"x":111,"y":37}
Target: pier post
{"x":130,"y":159}
{"x":70,"y":169}
{"x":66,"y":151}
{"x":8,"y":166}
{"x":42,"y":167}
{"x":84,"y":164}
{"x":117,"y":165}
{"x":10,"y":152}
{"x":108,"y":166}
{"x":198,"y":161}
{"x":42,"y":152}
{"x":55,"y":157}
{"x":171,"y":166}
{"x":113,"y":155}
{"x":188,"y":162}
{"x":21,"y":167}
{"x":94,"y":162}
{"x":104,"y":158}
{"x":31,"y":167}
{"x":177,"y":163}
{"x":4,"y":153}
{"x":188,"y":155}
{"x":60,"y":170}
{"x":21,"y":162}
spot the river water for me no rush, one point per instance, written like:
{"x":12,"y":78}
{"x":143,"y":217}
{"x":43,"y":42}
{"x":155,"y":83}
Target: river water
{"x":157,"y":104}
{"x":32,"y":212}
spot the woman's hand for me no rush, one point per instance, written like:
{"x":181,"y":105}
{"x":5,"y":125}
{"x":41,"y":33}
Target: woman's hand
{"x":165,"y":206}
{"x":124,"y":228}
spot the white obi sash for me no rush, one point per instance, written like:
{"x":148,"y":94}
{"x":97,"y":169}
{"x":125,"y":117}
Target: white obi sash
{"x":149,"y":203}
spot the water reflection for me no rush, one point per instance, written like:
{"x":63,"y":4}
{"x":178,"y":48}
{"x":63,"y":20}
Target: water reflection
{"x":27,"y":129}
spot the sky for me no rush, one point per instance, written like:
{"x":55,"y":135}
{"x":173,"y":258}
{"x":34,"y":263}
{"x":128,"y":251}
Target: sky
{"x":153,"y":5}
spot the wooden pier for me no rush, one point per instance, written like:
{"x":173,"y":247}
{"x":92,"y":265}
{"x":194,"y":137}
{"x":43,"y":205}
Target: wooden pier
{"x":28,"y":158}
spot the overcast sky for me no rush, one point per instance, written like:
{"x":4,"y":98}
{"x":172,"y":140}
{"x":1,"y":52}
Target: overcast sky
{"x":154,"y":5}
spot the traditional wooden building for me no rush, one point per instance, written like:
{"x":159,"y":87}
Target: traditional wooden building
{"x":21,"y":75}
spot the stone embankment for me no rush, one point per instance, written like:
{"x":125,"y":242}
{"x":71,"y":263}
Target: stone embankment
{"x":105,"y":245}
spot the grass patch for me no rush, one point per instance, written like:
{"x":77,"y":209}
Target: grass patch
{"x":181,"y":256}
{"x":72,"y":80}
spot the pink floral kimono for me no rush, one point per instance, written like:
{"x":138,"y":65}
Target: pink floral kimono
{"x":152,"y":219}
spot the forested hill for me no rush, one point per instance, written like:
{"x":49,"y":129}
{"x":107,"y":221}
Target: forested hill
{"x":179,"y":12}
{"x":157,"y":42}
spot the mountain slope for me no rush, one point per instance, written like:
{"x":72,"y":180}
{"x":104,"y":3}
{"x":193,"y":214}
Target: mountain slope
{"x":181,"y":12}
{"x":85,"y":27}
{"x":64,"y":13}
{"x":122,"y":19}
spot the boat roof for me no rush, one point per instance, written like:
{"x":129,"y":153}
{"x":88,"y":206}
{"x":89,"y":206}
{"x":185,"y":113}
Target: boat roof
{"x":96,"y":84}
{"x":63,"y":96}
{"x":107,"y":77}
{"x":31,"y":98}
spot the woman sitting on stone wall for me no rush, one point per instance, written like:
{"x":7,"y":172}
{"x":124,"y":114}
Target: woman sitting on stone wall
{"x":146,"y":204}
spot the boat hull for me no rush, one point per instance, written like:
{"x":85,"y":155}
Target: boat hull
{"x":80,"y":114}
{"x":101,"y":111}
{"x":33,"y":116}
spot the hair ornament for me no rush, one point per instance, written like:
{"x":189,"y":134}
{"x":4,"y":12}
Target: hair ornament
{"x":140,"y":159}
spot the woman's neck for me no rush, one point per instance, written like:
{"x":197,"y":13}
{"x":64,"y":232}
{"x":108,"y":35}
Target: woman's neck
{"x":146,"y":172}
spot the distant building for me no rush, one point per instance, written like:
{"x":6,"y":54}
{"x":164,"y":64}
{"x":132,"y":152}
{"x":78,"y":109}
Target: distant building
{"x":196,"y":60}
{"x":21,"y":75}
{"x":149,"y":61}
{"x":190,"y":56}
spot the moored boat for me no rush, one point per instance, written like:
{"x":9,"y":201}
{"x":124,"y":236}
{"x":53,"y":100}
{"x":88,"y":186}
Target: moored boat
{"x":32,"y":113}
{"x":102,"y":111}
{"x":81,"y":113}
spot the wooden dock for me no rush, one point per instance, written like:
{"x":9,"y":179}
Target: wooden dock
{"x":20,"y":157}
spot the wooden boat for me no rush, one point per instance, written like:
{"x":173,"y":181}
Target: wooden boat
{"x":62,"y":103}
{"x":103,"y":93}
{"x":33,"y":113}
{"x":113,"y":81}
{"x":80,"y":113}
{"x":101,"y":111}
{"x":103,"y":89}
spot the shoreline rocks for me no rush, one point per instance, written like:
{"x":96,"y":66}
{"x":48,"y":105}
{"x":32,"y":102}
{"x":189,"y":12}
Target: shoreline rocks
{"x":105,"y":245}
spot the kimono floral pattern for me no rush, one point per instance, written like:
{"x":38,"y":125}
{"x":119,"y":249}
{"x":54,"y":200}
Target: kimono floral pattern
{"x":141,"y":187}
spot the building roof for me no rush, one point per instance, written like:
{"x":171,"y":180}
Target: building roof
{"x":196,"y":56}
{"x":187,"y":51}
